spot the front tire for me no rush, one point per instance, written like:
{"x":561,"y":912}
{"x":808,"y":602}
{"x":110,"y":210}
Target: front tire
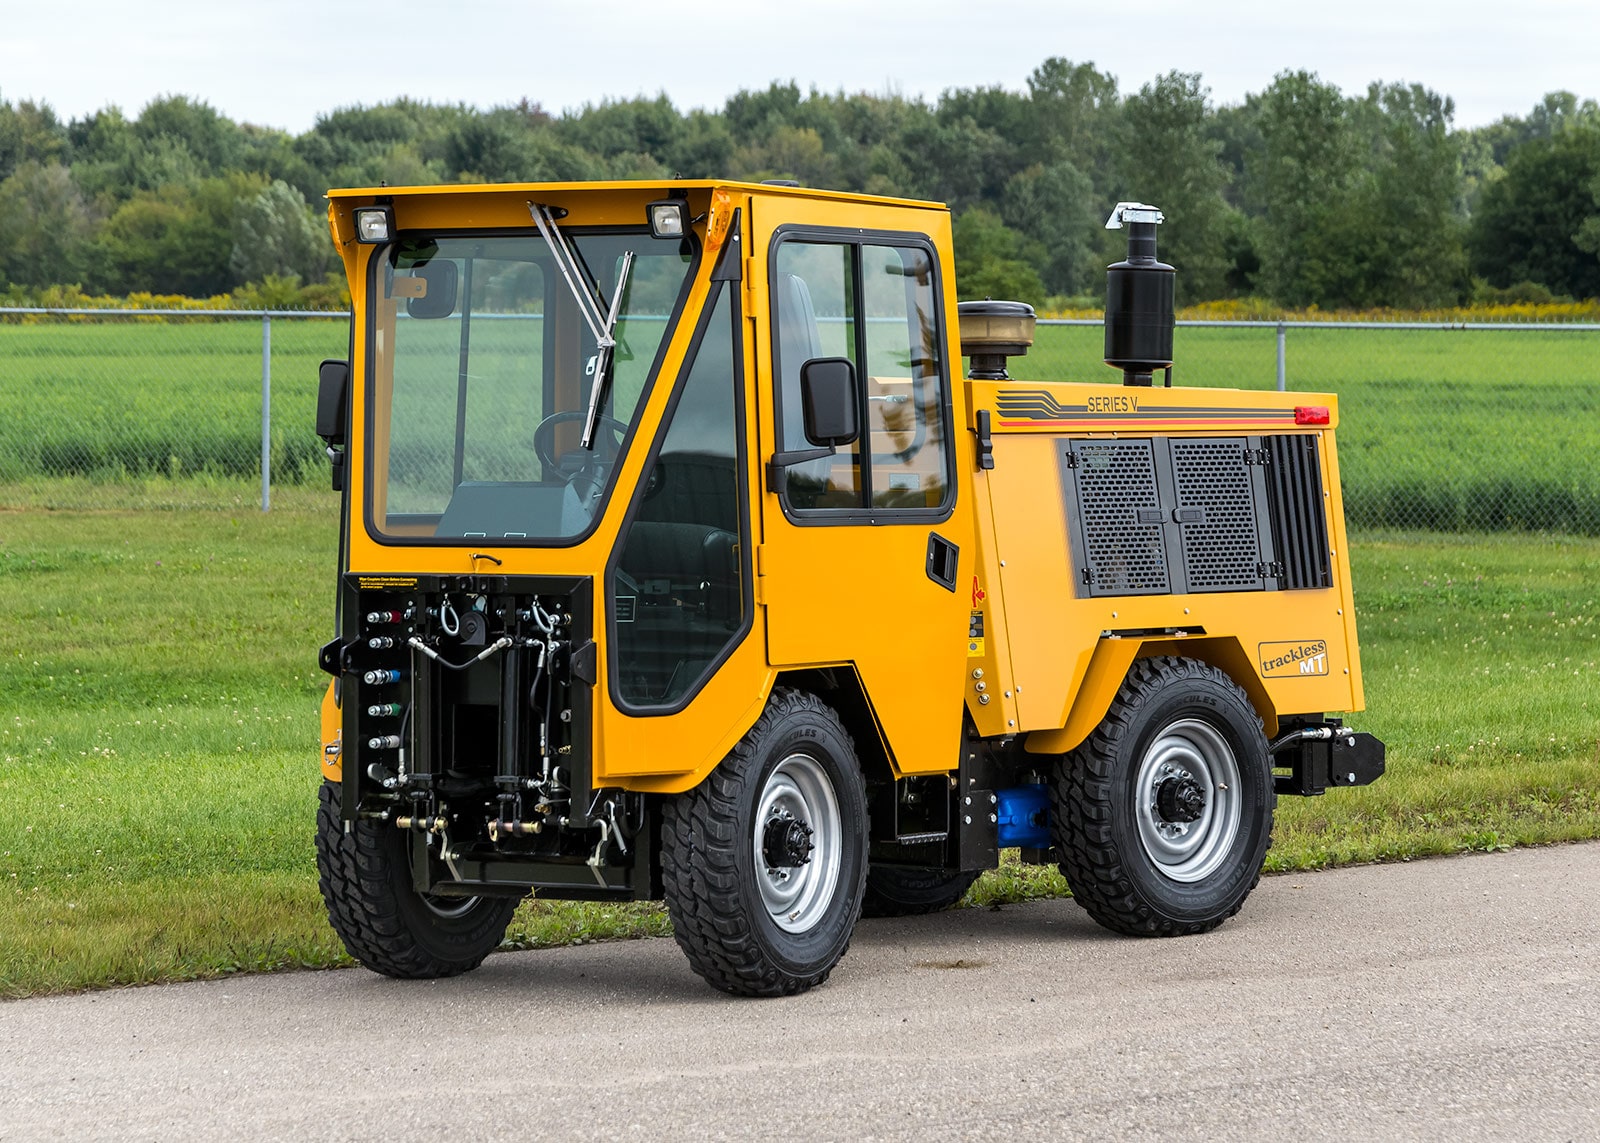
{"x":763,"y":863}
{"x":1164,"y":813}
{"x":365,"y":878}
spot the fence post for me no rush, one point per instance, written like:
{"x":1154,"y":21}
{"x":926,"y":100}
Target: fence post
{"x":266,"y":411}
{"x":1282,"y":385}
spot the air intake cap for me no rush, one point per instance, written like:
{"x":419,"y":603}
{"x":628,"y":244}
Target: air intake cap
{"x":1139,"y":291}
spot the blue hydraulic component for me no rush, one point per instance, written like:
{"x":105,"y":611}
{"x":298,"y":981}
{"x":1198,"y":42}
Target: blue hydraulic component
{"x":1024,"y":817}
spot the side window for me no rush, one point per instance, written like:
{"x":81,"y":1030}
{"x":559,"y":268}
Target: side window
{"x":876,"y":306}
{"x":814,"y":293}
{"x":904,"y":384}
{"x":678,"y":584}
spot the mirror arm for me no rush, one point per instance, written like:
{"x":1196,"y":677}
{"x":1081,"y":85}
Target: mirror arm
{"x":778,"y":467}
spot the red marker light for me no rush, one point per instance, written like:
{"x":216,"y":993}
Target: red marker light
{"x":1311,"y":414}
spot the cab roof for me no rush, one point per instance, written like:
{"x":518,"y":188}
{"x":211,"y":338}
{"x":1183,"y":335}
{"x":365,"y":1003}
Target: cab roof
{"x":658,"y":187}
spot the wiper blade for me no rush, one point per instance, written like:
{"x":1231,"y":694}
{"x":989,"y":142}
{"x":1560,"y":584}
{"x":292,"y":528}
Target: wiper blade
{"x":601,"y":321}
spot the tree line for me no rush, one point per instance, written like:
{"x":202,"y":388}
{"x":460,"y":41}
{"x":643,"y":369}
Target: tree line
{"x":1301,"y":194}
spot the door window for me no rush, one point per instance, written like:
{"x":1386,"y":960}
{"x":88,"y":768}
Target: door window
{"x":877,"y":306}
{"x":678,"y":585}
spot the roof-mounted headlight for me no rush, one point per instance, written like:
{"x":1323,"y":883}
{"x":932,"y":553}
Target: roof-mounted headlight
{"x":374,"y":224}
{"x":669,"y":218}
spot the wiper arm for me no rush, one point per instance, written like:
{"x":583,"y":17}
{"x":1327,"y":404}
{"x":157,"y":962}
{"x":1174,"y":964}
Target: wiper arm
{"x":602,"y":364}
{"x":601,"y":322}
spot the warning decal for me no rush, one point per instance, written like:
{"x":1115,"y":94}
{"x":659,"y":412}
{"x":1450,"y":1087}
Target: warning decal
{"x":975,"y":636}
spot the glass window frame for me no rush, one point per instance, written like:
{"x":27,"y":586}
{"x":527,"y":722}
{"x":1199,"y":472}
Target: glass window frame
{"x":836,"y":517}
{"x":747,"y":616}
{"x":378,"y":261}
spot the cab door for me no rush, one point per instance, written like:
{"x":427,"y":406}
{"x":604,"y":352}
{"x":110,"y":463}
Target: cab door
{"x":866,"y":549}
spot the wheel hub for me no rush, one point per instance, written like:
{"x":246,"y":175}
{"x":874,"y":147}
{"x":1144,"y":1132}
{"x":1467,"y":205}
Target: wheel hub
{"x":1180,"y":799}
{"x":797,"y":843}
{"x":786,"y":842}
{"x":1187,"y":806}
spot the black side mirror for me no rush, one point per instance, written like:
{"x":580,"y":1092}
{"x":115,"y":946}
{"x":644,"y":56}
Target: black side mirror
{"x":333,"y":412}
{"x":333,"y":401}
{"x":437,"y":284}
{"x":828,"y":401}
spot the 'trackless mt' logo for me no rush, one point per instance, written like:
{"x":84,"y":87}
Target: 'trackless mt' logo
{"x":1294,"y":658}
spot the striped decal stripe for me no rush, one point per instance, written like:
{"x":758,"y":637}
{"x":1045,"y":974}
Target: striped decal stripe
{"x":1038,"y":407}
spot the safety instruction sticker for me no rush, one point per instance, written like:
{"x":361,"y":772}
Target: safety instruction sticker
{"x":1294,"y":658}
{"x":386,"y":582}
{"x":975,"y":636}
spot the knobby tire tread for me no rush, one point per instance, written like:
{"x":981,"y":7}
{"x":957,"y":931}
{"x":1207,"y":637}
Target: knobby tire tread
{"x":1086,"y":799}
{"x":354,"y":873}
{"x":700,"y":842}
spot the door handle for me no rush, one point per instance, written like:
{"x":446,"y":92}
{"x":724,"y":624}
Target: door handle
{"x":943,"y":561}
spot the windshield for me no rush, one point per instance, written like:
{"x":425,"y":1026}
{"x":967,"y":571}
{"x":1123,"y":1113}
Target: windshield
{"x":483,"y":366}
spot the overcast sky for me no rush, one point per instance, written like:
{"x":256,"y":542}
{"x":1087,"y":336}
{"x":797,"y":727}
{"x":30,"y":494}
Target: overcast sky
{"x":281,"y":64}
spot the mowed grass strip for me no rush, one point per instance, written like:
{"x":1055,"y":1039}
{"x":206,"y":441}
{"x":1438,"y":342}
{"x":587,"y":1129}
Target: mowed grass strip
{"x":158,"y":736}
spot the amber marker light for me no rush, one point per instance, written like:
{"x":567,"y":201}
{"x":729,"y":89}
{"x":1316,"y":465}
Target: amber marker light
{"x":718,"y":221}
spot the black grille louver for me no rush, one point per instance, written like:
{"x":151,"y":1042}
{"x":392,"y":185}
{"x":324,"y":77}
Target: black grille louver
{"x":1299,"y":512}
{"x":1158,"y":515}
{"x":1221,"y":546}
{"x":1125,"y":555}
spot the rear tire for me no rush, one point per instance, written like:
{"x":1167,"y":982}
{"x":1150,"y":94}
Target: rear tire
{"x":365,"y":878}
{"x":762,"y":864}
{"x":898,"y":891}
{"x":1163,"y":816}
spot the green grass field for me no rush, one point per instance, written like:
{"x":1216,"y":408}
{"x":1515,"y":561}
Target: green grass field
{"x":1449,"y":431}
{"x":158,"y":757}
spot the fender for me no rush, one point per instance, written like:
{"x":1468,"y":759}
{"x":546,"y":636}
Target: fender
{"x":1109,"y":666}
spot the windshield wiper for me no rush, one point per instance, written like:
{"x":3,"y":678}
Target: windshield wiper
{"x":601,"y":321}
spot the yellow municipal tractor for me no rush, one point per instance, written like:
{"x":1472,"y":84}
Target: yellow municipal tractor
{"x":680,"y":560}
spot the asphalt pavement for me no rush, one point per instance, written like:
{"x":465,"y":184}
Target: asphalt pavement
{"x":1456,"y":998}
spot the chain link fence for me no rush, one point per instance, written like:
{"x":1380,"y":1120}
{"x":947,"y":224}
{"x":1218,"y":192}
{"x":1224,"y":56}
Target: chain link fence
{"x":1461,"y":427}
{"x":1455,"y":428}
{"x":161,"y":409}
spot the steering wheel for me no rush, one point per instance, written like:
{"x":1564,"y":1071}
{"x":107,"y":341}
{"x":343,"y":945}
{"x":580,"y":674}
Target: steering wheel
{"x":609,"y":433}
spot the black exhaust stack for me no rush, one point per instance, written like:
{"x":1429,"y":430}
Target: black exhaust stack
{"x":1139,"y":319}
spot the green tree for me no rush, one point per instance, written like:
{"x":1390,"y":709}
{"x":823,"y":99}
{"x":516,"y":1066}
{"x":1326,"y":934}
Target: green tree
{"x":1055,"y":208}
{"x":787,"y":153}
{"x":1172,"y":161}
{"x":1414,"y":231}
{"x":214,"y":140}
{"x":1532,"y":224}
{"x":1077,"y":118}
{"x":30,"y":132}
{"x":702,"y":149}
{"x":177,"y":240}
{"x":45,"y":226}
{"x":990,"y":260}
{"x":275,"y":235}
{"x":104,"y":146}
{"x":1306,"y":168}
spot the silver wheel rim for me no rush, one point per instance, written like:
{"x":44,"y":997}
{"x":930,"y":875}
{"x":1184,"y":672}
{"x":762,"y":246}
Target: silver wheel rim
{"x":1189,"y":851}
{"x":797,"y":897}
